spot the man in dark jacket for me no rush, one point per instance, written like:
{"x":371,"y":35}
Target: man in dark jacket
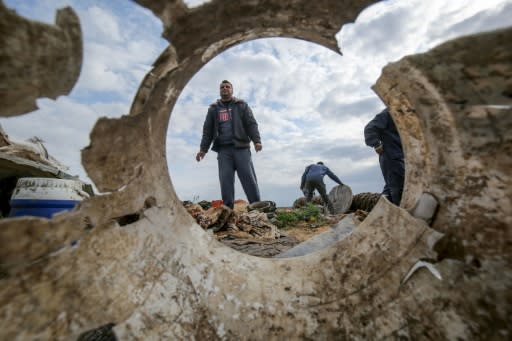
{"x":231,"y":126}
{"x":313,"y":178}
{"x":381,"y":134}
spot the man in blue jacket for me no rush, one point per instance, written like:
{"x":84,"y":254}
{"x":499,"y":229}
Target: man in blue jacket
{"x":231,"y":126}
{"x":313,"y":178}
{"x":381,"y":134}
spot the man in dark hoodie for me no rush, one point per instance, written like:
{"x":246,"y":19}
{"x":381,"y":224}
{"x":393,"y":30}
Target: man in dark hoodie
{"x":381,"y":134}
{"x":231,"y":126}
{"x":313,"y":178}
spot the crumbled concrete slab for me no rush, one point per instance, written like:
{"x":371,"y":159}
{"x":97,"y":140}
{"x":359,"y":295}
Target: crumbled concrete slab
{"x":322,"y":240}
{"x":135,"y":258}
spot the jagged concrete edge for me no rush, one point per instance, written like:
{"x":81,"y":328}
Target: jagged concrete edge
{"x":50,"y":69}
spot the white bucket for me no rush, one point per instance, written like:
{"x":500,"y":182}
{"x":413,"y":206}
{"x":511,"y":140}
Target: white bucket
{"x":44,"y":197}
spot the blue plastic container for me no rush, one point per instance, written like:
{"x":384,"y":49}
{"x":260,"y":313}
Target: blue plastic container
{"x":43,"y":197}
{"x":40,"y":208}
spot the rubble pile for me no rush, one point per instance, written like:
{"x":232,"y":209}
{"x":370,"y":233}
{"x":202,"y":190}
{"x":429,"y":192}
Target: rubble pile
{"x":236,"y":221}
{"x":214,"y":218}
{"x":32,"y":149}
{"x":255,"y":228}
{"x":246,"y":228}
{"x":257,"y":224}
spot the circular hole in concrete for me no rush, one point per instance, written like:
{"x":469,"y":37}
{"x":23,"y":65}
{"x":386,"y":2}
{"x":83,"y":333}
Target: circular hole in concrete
{"x":308,"y":110}
{"x":304,"y":100}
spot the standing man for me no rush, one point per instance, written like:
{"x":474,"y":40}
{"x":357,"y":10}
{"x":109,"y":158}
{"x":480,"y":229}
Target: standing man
{"x":381,"y":134}
{"x":231,"y":126}
{"x":313,"y":178}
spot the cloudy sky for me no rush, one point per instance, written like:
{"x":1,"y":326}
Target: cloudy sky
{"x":311,"y":103}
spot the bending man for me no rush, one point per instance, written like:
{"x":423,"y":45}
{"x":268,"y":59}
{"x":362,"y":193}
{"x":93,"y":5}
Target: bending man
{"x":313,"y":178}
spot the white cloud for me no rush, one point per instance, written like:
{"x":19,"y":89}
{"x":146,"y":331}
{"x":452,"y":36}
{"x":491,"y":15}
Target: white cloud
{"x":101,"y":74}
{"x":101,"y":26}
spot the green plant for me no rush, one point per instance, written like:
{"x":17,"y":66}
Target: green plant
{"x":286,"y":218}
{"x":310,"y":212}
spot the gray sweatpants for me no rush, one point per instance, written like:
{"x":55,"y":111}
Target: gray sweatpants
{"x":231,"y":159}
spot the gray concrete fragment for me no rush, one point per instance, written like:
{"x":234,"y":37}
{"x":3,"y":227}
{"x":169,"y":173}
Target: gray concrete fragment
{"x":339,"y":231}
{"x":425,"y":208}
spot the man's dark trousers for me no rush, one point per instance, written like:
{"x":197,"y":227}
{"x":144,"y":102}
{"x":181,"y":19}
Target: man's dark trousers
{"x":393,"y":171}
{"x":231,"y":159}
{"x":309,"y":190}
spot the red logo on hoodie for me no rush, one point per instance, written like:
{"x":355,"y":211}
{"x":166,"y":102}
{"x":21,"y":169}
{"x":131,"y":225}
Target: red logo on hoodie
{"x":223,"y":115}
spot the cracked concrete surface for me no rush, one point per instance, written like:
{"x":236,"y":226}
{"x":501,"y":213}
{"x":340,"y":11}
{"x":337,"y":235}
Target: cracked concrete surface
{"x":162,"y":277}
